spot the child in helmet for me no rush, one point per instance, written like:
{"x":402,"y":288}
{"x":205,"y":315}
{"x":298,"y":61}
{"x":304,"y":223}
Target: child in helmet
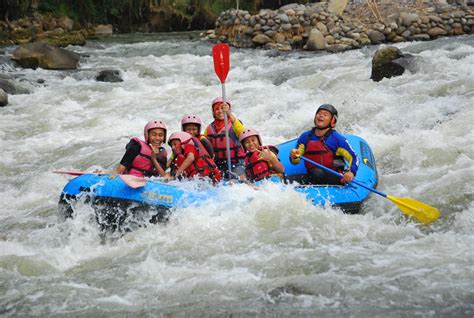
{"x":324,"y":145}
{"x":192,"y":125}
{"x":191,"y":158}
{"x":215,"y":132}
{"x":145,"y":158}
{"x":260,"y":161}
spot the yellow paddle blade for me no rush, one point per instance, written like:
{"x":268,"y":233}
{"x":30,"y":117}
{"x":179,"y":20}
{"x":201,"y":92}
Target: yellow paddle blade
{"x":416,"y":209}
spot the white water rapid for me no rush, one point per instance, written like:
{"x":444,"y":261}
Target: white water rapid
{"x":250,"y":253}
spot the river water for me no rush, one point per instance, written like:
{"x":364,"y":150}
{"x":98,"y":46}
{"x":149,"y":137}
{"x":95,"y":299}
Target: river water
{"x":250,"y":253}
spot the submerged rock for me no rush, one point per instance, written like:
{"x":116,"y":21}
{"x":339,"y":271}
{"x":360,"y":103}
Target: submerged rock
{"x":110,"y":76}
{"x":3,"y":98}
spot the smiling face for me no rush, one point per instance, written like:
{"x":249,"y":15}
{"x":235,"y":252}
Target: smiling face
{"x":156,"y":136}
{"x":192,"y":129}
{"x":323,"y":119}
{"x":175,"y":146}
{"x":251,"y":143}
{"x":217,"y":111}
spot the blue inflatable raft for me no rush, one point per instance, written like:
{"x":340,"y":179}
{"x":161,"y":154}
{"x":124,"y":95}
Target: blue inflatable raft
{"x":120,"y":207}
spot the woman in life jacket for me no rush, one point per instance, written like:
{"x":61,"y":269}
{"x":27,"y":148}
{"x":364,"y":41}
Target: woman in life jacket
{"x":260,"y":161}
{"x":324,"y":145}
{"x":144,"y":158}
{"x":191,"y":158}
{"x":215,"y":132}
{"x":192,"y":125}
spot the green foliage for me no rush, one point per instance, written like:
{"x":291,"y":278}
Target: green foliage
{"x":132,"y":12}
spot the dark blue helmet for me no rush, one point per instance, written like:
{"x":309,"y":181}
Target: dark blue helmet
{"x":330,"y":109}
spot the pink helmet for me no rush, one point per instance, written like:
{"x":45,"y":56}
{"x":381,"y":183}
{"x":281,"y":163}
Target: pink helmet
{"x":219,"y":100}
{"x":191,"y":119}
{"x":155,"y":123}
{"x":248,"y":132}
{"x":181,"y":135}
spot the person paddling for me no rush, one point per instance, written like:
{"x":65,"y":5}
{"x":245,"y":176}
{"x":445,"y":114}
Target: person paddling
{"x":191,"y":158}
{"x":260,"y":161}
{"x":325,"y":146}
{"x":145,"y":158}
{"x":215,"y":132}
{"x":192,"y":125}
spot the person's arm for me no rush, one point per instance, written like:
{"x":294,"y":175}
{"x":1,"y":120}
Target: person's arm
{"x":272,"y":160}
{"x":132,"y":150}
{"x":299,"y":150}
{"x":345,"y":150}
{"x":120,"y":169}
{"x":186,"y":163}
{"x":157,"y":165}
{"x":154,"y":152}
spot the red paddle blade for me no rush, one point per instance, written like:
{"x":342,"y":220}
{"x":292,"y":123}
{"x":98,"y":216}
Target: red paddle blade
{"x":220,"y":54}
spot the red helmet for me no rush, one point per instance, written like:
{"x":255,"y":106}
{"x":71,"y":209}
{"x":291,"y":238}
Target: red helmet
{"x":155,"y":123}
{"x":182,"y":136}
{"x":191,"y":119}
{"x":248,"y":132}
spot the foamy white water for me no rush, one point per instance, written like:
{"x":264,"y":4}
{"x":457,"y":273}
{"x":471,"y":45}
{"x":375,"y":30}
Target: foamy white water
{"x":251,"y":253}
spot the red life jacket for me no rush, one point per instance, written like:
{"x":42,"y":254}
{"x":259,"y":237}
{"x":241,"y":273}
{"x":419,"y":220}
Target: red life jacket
{"x":319,"y":152}
{"x":141,"y":164}
{"x":207,"y":145}
{"x":217,"y":139}
{"x":202,"y":165}
{"x":257,"y":169}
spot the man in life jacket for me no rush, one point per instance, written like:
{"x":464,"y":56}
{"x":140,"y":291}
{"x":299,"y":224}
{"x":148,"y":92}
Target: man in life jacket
{"x":326,"y":146}
{"x":191,"y":158}
{"x":192,"y":125}
{"x":260,"y":161}
{"x":145,"y":158}
{"x":215,"y":132}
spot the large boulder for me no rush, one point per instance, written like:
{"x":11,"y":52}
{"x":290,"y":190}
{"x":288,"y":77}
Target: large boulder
{"x":316,"y":41}
{"x":388,"y":62}
{"x":33,"y":55}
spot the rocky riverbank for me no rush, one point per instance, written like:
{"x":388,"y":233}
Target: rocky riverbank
{"x":60,"y":31}
{"x":317,"y":27}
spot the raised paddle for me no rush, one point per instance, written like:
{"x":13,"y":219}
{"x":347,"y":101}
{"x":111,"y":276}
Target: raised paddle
{"x":131,"y":181}
{"x":220,"y":55}
{"x":416,"y":209}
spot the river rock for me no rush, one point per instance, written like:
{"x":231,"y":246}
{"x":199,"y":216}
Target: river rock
{"x":46,"y":56}
{"x":383,"y":65}
{"x":375,"y":36}
{"x":104,"y":29}
{"x":261,"y":39}
{"x":436,"y":32}
{"x":316,"y":41}
{"x":3,"y":98}
{"x":11,"y":86}
{"x":110,"y":76}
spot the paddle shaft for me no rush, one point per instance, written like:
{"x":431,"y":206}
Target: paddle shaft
{"x":227,"y":142}
{"x":340,"y":175}
{"x":131,"y":181}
